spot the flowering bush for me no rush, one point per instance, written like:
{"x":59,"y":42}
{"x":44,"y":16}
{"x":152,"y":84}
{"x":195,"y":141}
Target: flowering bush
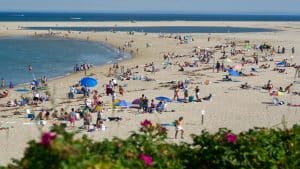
{"x":148,"y":148}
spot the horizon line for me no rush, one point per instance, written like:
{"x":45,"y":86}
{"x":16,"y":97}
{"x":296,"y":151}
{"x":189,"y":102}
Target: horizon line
{"x":154,"y":12}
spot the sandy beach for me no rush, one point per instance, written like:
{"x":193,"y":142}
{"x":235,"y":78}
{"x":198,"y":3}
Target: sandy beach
{"x":230,"y":106}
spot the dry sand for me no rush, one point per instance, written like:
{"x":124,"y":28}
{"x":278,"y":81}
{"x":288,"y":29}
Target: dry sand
{"x":230,"y":106}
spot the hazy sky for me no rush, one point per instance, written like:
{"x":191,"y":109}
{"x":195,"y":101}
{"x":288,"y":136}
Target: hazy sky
{"x":169,"y":6}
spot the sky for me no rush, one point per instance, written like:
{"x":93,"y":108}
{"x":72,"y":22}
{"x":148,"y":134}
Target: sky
{"x":156,"y":6}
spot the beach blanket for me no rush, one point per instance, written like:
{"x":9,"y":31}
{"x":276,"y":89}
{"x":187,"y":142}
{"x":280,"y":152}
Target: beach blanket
{"x":281,"y":64}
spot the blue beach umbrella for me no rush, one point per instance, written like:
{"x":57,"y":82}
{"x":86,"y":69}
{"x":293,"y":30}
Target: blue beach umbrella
{"x":88,"y":82}
{"x":123,"y":103}
{"x":162,"y":98}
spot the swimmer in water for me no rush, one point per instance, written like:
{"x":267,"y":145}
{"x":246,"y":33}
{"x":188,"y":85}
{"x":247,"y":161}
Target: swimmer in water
{"x":29,"y":68}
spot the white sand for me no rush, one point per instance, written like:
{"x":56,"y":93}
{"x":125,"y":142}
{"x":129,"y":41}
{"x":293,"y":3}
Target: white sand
{"x":230,"y":106}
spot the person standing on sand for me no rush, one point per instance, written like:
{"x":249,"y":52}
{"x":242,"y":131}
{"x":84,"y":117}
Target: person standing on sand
{"x":178,"y":127}
{"x":186,"y":94}
{"x":218,"y":66}
{"x":197,"y":92}
{"x":176,"y":93}
{"x":72,"y":117}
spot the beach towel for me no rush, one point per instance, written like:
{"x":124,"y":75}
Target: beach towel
{"x":281,"y":64}
{"x":168,"y":124}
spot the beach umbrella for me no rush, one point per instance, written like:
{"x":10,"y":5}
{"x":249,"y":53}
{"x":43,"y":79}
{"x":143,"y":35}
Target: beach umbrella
{"x":136,"y":101}
{"x":123,"y":103}
{"x":162,"y":98}
{"x":88,"y":82}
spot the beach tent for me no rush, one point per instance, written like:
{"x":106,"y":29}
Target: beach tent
{"x":232,"y":72}
{"x":162,"y":98}
{"x":88,"y":82}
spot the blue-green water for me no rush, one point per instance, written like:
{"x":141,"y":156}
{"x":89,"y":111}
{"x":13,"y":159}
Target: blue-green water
{"x":48,"y":56}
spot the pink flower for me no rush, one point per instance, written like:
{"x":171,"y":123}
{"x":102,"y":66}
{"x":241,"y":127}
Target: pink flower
{"x":231,"y":138}
{"x":147,"y":159}
{"x":146,"y":123}
{"x":47,"y":138}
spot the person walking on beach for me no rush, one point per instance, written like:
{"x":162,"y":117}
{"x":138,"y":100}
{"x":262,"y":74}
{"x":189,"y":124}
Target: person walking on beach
{"x":293,"y":50}
{"x":72,"y":117}
{"x":178,"y":127}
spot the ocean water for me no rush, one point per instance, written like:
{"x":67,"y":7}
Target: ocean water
{"x":52,"y":57}
{"x":161,"y":29}
{"x":35,"y":16}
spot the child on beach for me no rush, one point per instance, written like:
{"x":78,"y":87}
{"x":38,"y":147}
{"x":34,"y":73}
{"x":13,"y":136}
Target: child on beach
{"x":72,"y":117}
{"x":178,"y":127}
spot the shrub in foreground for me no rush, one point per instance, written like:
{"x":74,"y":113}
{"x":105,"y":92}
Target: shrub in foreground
{"x":148,"y":148}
